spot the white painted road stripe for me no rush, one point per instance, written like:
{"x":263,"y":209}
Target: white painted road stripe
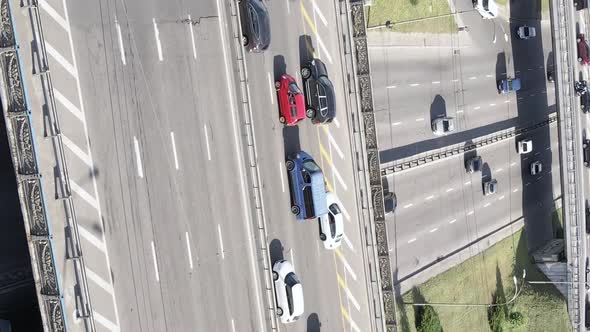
{"x":292,"y":258}
{"x":433,"y":230}
{"x":282,"y":175}
{"x":155,"y":261}
{"x":449,"y":190}
{"x":317,"y":10}
{"x":174,"y":150}
{"x":102,"y":320}
{"x":348,"y":243}
{"x":345,"y":263}
{"x":67,"y":104}
{"x":138,"y":157}
{"x":344,"y":211}
{"x":452,"y":221}
{"x":336,"y":122}
{"x":220,"y":241}
{"x":54,"y":15}
{"x":91,"y":238}
{"x":391,"y":87}
{"x":83,"y":194}
{"x":467,"y":183}
{"x":351,"y":298}
{"x":435,"y":82}
{"x":419,"y":119}
{"x":61,"y":60}
{"x":158,"y":43}
{"x":414,"y":84}
{"x":499,"y":170}
{"x":429,"y":197}
{"x":411,"y":240}
{"x":99,"y":281}
{"x":76,"y":150}
{"x":339,"y":177}
{"x":487,"y":204}
{"x":190,"y":26}
{"x":333,"y":142}
{"x":271,"y":88}
{"x":207,"y":142}
{"x":408,"y":205}
{"x":396,"y":123}
{"x":470,"y":213}
{"x":515,"y":190}
{"x":501,"y":197}
{"x":188,"y":249}
{"x":121,"y":48}
{"x":233,"y":324}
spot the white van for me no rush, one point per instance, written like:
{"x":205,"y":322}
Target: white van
{"x":488,"y":9}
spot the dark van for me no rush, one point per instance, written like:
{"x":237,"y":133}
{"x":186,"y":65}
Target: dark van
{"x":308,"y":189}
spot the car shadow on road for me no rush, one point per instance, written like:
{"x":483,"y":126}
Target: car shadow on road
{"x":486,"y":175}
{"x":279,"y":67}
{"x":438,"y":108}
{"x":291,"y":140}
{"x":500,"y":68}
{"x":313,"y":323}
{"x":471,"y":153}
{"x":275,"y":249}
{"x":306,"y":50}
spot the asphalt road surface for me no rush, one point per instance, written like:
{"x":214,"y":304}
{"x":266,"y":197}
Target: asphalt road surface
{"x":333,"y":282}
{"x":163,"y":187}
{"x":441,"y":208}
{"x":146,"y":96}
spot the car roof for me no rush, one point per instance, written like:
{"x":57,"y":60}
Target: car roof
{"x":318,"y":190}
{"x":298,"y":304}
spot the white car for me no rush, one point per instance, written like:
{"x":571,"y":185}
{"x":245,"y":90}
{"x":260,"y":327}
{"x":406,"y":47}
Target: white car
{"x":443,"y":125}
{"x":331,"y":223}
{"x":288,"y":292}
{"x":488,"y":9}
{"x":536,"y":167}
{"x":526,"y":32}
{"x":525,"y":146}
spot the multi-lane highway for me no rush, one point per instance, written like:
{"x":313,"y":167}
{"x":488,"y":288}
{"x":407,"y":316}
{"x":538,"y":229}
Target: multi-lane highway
{"x":441,"y":208}
{"x":148,"y":99}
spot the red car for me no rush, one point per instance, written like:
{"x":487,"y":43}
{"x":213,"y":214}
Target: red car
{"x":583,"y":50}
{"x":291,"y":101}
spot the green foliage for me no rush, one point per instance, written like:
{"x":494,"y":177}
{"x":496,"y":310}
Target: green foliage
{"x":429,"y":321}
{"x":516,"y":319}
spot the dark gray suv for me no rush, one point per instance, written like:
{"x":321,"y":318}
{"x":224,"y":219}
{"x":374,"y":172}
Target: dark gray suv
{"x":255,"y":25}
{"x":320,"y":104}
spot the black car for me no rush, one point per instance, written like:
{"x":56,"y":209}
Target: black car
{"x":580,"y":4}
{"x":586,"y":148}
{"x":390,"y":202}
{"x":585,"y":102}
{"x":255,"y":25}
{"x":474,"y":164}
{"x":320,"y":102}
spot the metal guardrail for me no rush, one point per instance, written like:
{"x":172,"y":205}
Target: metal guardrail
{"x":369,"y":156}
{"x":21,"y":138}
{"x":252,"y":155}
{"x":570,"y":153}
{"x":17,"y":116}
{"x":435,"y":155}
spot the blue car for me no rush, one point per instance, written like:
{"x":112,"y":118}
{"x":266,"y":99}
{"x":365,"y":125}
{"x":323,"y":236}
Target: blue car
{"x":508,"y":84}
{"x":308,"y":189}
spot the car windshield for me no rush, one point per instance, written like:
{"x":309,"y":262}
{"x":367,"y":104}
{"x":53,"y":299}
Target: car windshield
{"x":294,"y":88}
{"x":332,"y":224}
{"x":291,"y":279}
{"x":311,"y":166}
{"x":254,"y":20}
{"x":335,"y":209}
{"x":486,"y":4}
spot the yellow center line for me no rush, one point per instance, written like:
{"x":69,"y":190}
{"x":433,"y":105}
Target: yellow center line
{"x":339,"y":295}
{"x":307,"y":18}
{"x":325,"y":154}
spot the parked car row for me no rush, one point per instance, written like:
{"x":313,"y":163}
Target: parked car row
{"x":309,"y":198}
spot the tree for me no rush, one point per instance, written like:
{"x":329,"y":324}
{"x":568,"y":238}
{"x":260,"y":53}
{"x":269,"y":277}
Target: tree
{"x":429,"y":321}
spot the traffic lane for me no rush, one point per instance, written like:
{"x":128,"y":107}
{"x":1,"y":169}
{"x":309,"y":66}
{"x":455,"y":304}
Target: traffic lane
{"x":140,"y":294}
{"x":449,"y":180}
{"x":329,"y":138}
